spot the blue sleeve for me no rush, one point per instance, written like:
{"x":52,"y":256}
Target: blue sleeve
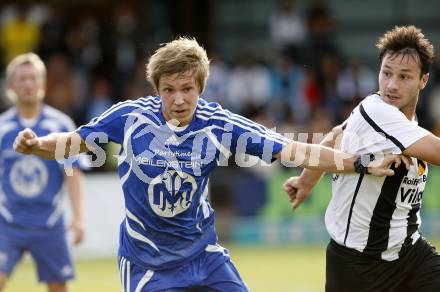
{"x":111,"y":124}
{"x":79,"y":161}
{"x":252,"y":138}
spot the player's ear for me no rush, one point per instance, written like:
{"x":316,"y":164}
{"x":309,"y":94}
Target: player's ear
{"x":424,"y":80}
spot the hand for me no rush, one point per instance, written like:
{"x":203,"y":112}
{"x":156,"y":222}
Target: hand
{"x":296,"y":190}
{"x":26,"y":142}
{"x":77,"y":227}
{"x":381,"y":167}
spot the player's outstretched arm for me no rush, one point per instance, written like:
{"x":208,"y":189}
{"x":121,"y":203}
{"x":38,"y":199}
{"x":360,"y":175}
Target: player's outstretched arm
{"x":53,"y":146}
{"x":323,"y":158}
{"x":427,"y":149}
{"x":299,"y":187}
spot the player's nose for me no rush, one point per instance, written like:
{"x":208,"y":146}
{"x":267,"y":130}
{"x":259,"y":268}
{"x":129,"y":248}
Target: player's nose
{"x":392,"y":84}
{"x":178,"y":98}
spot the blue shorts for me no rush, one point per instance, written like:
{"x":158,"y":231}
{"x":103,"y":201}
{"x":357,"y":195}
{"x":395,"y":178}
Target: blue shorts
{"x":48,"y":248}
{"x":210,"y":271}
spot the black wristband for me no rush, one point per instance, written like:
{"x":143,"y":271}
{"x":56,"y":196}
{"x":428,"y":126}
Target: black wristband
{"x":361,"y":163}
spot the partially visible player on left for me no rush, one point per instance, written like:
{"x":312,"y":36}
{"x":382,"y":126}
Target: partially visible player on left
{"x":31,"y":188}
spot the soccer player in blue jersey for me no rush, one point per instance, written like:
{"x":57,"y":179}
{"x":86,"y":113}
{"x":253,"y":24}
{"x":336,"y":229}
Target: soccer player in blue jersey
{"x":170,"y":145}
{"x":31,"y":188}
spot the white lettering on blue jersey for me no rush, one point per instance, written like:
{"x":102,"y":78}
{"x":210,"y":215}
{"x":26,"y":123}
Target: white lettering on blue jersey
{"x":165,"y":174}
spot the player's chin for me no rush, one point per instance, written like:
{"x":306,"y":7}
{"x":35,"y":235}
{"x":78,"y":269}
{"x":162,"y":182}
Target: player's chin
{"x":180,"y":113}
{"x":182,"y":116}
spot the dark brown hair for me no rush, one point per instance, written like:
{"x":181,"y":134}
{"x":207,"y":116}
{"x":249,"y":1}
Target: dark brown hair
{"x":407,"y":40}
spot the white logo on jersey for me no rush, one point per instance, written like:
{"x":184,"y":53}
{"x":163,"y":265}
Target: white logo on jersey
{"x":172,"y":140}
{"x":171,"y":193}
{"x":413,"y":185}
{"x":29,"y":176}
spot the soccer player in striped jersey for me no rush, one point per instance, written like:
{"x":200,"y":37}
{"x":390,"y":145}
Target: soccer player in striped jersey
{"x":374,"y":222}
{"x":31,"y":188}
{"x":170,"y":145}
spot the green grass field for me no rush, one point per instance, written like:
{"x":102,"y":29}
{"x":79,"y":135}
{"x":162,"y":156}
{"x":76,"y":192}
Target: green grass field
{"x":282,"y":269}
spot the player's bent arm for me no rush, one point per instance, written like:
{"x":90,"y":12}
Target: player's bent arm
{"x":311,"y":177}
{"x":53,"y":146}
{"x":427,"y":149}
{"x":299,"y":188}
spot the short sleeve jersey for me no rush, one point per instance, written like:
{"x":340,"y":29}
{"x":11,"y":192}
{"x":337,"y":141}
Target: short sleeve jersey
{"x":31,"y":187}
{"x":378,"y":216}
{"x":165,"y":170}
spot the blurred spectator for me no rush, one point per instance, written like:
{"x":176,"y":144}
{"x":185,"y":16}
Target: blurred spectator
{"x":320,"y":39}
{"x":137,"y":86}
{"x":19,"y":34}
{"x":218,"y":82}
{"x":321,"y":123}
{"x":434,"y":109}
{"x":124,"y":38}
{"x":249,"y":85}
{"x":61,"y":90}
{"x":288,"y":95}
{"x":125,"y":32}
{"x":431,"y":97}
{"x":312,"y":89}
{"x":329,"y":70}
{"x":83,"y":41}
{"x":355,"y":82}
{"x":53,"y":32}
{"x":287,"y":27}
{"x":100,"y":99}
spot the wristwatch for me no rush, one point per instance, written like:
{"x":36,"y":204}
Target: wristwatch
{"x":361,"y":163}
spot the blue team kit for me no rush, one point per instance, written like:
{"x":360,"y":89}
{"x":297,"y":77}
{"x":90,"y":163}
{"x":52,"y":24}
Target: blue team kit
{"x":31,"y":213}
{"x":169,"y":224}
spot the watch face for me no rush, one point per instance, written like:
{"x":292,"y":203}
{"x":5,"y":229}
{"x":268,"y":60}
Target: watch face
{"x":366,"y":159}
{"x":361,"y":164}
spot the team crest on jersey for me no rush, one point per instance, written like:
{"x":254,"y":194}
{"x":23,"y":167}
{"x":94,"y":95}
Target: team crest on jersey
{"x":421,"y":166}
{"x":28,"y":177}
{"x":171,"y":193}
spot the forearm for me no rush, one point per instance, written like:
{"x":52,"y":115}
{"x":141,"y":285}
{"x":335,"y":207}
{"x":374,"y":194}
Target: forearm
{"x":76,"y":193}
{"x":317,"y":157}
{"x":59,"y":146}
{"x":312,"y":177}
{"x":47,"y":146}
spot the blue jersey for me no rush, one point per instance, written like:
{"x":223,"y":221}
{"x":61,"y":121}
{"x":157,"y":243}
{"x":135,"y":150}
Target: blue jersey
{"x":31,"y":188}
{"x":165,"y":173}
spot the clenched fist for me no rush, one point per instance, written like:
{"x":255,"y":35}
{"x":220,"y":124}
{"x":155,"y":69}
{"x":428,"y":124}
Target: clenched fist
{"x":26,"y":142}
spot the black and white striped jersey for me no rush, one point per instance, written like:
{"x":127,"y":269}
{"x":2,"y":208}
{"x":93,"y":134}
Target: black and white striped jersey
{"x":378,"y":216}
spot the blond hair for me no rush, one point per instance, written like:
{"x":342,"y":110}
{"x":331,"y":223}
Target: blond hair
{"x":28,"y":58}
{"x":24,"y":59}
{"x":407,"y":40}
{"x":181,"y":56}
